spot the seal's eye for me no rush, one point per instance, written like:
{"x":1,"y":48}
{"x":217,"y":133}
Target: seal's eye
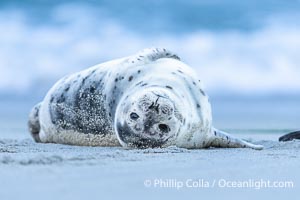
{"x":134,"y":116}
{"x":164,"y":128}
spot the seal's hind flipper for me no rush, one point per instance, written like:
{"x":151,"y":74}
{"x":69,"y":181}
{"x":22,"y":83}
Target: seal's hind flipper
{"x":150,"y":55}
{"x":222,"y":139}
{"x":290,"y":136}
{"x":34,"y":123}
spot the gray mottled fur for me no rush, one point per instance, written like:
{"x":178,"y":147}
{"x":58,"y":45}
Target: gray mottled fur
{"x":92,"y":107}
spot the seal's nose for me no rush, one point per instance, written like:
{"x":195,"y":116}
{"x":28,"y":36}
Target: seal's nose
{"x":164,"y":128}
{"x":130,"y":138}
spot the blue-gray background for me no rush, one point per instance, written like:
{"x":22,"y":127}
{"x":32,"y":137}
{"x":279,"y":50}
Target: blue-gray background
{"x":246,"y":52}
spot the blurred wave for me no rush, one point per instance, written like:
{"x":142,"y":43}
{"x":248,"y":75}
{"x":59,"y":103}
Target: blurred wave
{"x":232,"y":50}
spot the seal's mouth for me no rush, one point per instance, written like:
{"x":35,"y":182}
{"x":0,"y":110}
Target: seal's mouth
{"x":143,"y":143}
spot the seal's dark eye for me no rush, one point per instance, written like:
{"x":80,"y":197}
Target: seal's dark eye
{"x":164,"y":128}
{"x":134,"y":116}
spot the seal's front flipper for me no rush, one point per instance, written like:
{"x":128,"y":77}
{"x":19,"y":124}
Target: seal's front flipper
{"x":222,"y":139}
{"x":290,"y":136}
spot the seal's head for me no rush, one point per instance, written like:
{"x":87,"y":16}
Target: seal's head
{"x":147,"y":119}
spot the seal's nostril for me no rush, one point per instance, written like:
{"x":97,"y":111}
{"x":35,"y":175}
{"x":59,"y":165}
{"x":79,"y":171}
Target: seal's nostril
{"x":134,"y":116}
{"x":164,"y":128}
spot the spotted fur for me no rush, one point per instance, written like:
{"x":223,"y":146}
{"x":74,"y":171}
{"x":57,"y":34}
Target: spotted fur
{"x":150,"y":99}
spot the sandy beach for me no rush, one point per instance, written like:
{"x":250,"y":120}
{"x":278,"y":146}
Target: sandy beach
{"x":52,"y":171}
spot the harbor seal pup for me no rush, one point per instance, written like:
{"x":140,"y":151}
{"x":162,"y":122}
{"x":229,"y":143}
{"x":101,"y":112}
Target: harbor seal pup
{"x":148,"y":100}
{"x":290,"y":136}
